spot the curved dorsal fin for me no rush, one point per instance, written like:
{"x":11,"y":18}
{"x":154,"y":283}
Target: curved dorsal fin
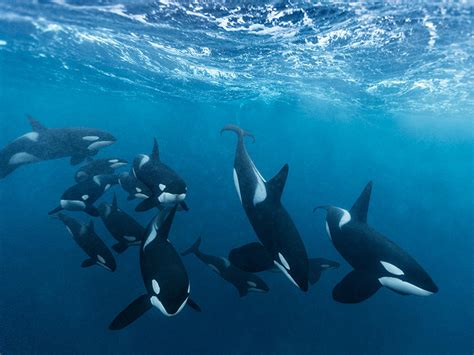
{"x":155,"y":153}
{"x":361,"y":206}
{"x":277,"y":183}
{"x":35,"y":124}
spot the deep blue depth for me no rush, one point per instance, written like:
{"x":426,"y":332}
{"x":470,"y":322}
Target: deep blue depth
{"x":395,"y":108}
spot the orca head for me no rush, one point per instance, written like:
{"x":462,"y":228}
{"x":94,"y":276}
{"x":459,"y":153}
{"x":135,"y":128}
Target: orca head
{"x":409,"y":279}
{"x":96,"y":139}
{"x":256,"y":284}
{"x":172,"y":192}
{"x":107,"y":261}
{"x":294,"y":268}
{"x":169,"y":300}
{"x":336,"y":219}
{"x":71,"y":224}
{"x":117,"y":163}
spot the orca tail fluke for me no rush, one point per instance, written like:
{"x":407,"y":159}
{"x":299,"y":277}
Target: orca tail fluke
{"x":54,"y":211}
{"x":130,"y":314}
{"x":324,"y":207}
{"x":193,"y":249}
{"x":240,"y":132}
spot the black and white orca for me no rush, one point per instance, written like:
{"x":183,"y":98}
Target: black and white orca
{"x":81,"y":197}
{"x":98,"y":167}
{"x":134,"y":187}
{"x":87,"y":239}
{"x":243,"y":281}
{"x":166,"y":186}
{"x":270,"y":220}
{"x":164,"y":275}
{"x":377,"y":261}
{"x":123,"y":227}
{"x":52,"y":143}
{"x":253,"y":257}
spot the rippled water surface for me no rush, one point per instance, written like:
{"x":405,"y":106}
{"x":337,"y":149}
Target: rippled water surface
{"x":344,"y":92}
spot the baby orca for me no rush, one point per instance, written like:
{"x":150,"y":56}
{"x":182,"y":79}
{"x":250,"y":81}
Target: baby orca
{"x":124,"y":228}
{"x":164,"y":275}
{"x":81,"y":197}
{"x":271,"y":222}
{"x":243,"y":281}
{"x":98,"y":167}
{"x":376,"y":260}
{"x":134,"y":187}
{"x":166,"y":186}
{"x":253,"y":257}
{"x":52,"y":143}
{"x":89,"y":241}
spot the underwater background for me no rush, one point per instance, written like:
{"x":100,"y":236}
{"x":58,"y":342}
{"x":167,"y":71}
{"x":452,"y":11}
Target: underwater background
{"x":344,"y":93}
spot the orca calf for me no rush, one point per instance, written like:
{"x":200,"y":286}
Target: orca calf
{"x":269,"y":219}
{"x":164,"y":275}
{"x":377,"y":261}
{"x":134,"y":187}
{"x":253,"y":257}
{"x":124,"y":228}
{"x":81,"y":197}
{"x":243,"y":281}
{"x":98,"y":167}
{"x":89,"y":241}
{"x":52,"y":143}
{"x":166,"y":186}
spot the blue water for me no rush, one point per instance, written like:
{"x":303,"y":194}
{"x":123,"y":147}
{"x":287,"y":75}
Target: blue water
{"x":343,"y":93}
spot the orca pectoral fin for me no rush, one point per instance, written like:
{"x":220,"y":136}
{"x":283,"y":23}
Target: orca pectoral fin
{"x":120,"y":247}
{"x":92,"y":211}
{"x":56,"y":210}
{"x":193,"y":305}
{"x":88,"y":263}
{"x":355,"y":287}
{"x":314,"y":275}
{"x":146,"y":205}
{"x":130,"y":314}
{"x":243,"y":291}
{"x":76,"y":159}
{"x":184,"y":206}
{"x":317,"y":266}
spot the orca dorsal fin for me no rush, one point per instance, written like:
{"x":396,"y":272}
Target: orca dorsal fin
{"x":155,"y":153}
{"x":277,"y":183}
{"x":165,"y":227}
{"x":361,"y":206}
{"x":114,"y":202}
{"x":35,"y":124}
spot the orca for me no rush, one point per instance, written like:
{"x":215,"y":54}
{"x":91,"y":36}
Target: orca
{"x":87,"y":239}
{"x":134,"y":187}
{"x":123,"y":227}
{"x":243,"y":281}
{"x":98,"y":167}
{"x":81,"y":197}
{"x":253,"y":257}
{"x":163,"y":272}
{"x":376,"y":260}
{"x":166,"y":186}
{"x":52,"y":143}
{"x":269,"y":219}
